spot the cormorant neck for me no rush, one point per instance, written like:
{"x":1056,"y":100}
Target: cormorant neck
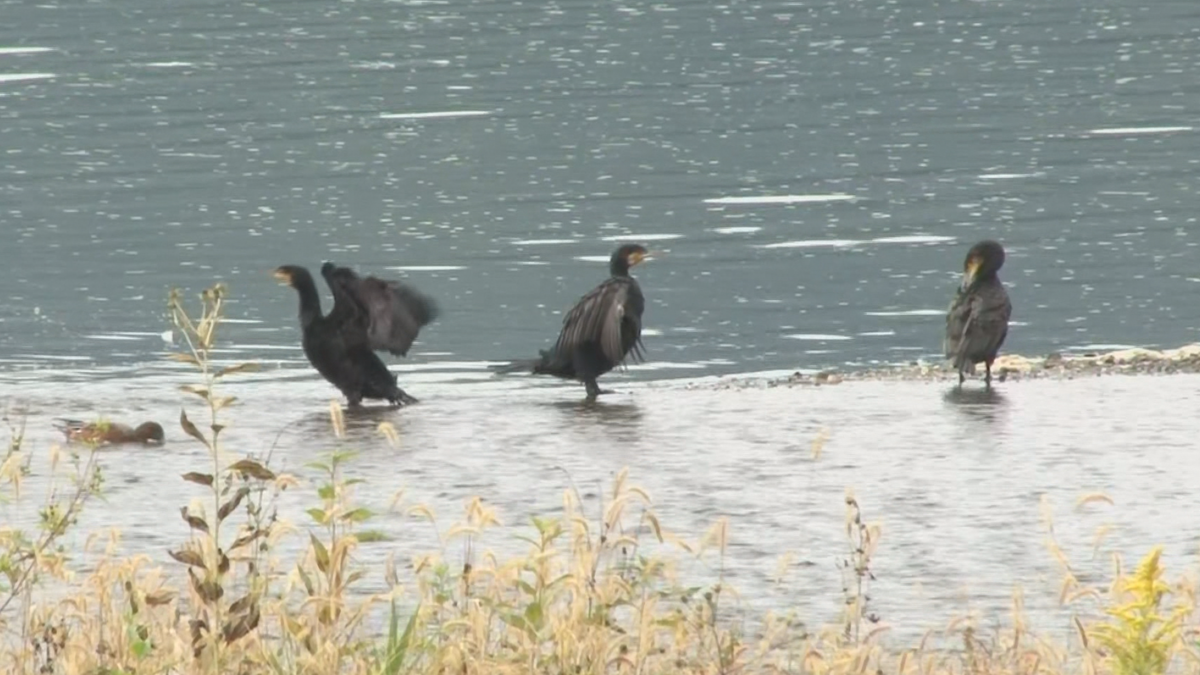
{"x":618,"y":268}
{"x":310,"y":300}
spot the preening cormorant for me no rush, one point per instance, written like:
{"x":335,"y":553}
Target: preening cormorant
{"x":368,"y":314}
{"x":977,"y":321}
{"x":600,"y":331}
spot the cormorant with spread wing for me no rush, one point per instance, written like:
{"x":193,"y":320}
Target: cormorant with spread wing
{"x":977,"y":321}
{"x":368,"y":314}
{"x":600,"y":331}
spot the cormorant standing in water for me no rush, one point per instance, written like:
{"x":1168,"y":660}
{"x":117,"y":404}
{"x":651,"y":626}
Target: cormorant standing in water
{"x":368,"y":314}
{"x":977,"y":321}
{"x":600,"y":331}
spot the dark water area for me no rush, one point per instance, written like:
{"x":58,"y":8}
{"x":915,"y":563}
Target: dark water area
{"x":483,"y":151}
{"x":814,"y":173}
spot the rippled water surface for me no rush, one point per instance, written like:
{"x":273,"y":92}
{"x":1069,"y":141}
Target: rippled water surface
{"x":955,"y":478}
{"x":813,"y":171}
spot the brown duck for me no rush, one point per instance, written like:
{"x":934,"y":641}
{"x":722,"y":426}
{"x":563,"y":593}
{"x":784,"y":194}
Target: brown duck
{"x":111,"y":433}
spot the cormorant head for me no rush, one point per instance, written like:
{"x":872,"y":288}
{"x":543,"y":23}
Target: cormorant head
{"x":326,"y":268}
{"x":983,"y":261}
{"x":149,"y":432}
{"x":626,"y":257}
{"x":288,"y":274}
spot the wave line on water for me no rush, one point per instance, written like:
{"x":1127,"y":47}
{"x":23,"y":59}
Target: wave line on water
{"x":114,"y":337}
{"x":782,"y":199}
{"x":908,"y":312}
{"x":1010,"y":176}
{"x":5,"y":51}
{"x":834,"y":243}
{"x":445,"y":114}
{"x":25,"y":77}
{"x":641,"y":237}
{"x":1130,"y":131}
{"x":543,"y":242}
{"x":818,"y":337}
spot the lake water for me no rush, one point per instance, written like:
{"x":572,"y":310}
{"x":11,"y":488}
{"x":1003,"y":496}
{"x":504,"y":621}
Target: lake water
{"x":813,"y":171}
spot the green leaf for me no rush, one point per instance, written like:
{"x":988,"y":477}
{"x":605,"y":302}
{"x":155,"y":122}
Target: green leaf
{"x":326,"y":491}
{"x":190,"y":428}
{"x":397,"y":648}
{"x":317,"y":515}
{"x":367,"y":536}
{"x":140,"y":648}
{"x":559,"y":580}
{"x":358,"y":515}
{"x":320,"y":553}
{"x":252,"y":468}
{"x":515,"y":620}
{"x":199,"y":478}
{"x":534,"y":616}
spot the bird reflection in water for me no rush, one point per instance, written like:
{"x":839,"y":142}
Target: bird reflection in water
{"x":361,"y":422}
{"x":622,"y":421}
{"x":986,"y":405}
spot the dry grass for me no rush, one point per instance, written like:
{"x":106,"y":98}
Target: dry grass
{"x":587,"y":597}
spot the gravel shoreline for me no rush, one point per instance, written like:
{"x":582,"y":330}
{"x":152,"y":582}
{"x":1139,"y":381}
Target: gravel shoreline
{"x":1136,"y":361}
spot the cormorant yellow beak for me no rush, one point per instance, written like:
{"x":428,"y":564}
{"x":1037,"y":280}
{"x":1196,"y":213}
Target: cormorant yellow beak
{"x":282,"y":276}
{"x":971,"y":270}
{"x":638,"y":258}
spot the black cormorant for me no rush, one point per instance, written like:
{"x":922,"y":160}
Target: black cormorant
{"x":368,"y":314}
{"x":600,"y":331}
{"x":977,"y":321}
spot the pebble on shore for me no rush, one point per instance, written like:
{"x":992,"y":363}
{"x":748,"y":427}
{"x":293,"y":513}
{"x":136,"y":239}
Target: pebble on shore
{"x":1133,"y":361}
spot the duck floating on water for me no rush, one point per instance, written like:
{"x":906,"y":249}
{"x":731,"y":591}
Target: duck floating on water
{"x":111,"y":433}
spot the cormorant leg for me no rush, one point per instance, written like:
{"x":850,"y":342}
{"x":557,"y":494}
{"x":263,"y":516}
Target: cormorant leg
{"x":987,"y":377}
{"x":354,"y":401}
{"x":961,"y":378}
{"x":593,"y":389}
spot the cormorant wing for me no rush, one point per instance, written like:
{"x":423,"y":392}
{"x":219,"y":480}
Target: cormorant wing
{"x":597,"y":317}
{"x":977,"y":323}
{"x":348,"y":316}
{"x":389,"y":314}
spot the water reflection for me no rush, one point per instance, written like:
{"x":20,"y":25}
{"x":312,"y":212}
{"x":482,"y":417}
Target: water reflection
{"x":974,"y":465}
{"x":622,"y":422}
{"x":978,"y":404}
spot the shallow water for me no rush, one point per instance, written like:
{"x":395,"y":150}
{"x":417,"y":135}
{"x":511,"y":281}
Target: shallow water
{"x":954,"y":478}
{"x":814,"y":173}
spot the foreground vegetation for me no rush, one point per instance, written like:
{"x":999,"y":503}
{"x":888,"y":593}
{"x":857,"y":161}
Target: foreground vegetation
{"x":586,"y":597}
